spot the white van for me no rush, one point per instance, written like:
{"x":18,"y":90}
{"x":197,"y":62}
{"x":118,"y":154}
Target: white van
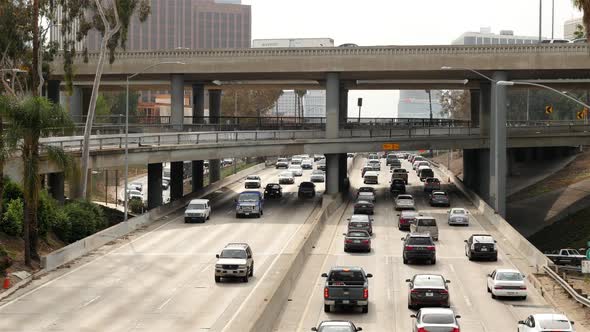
{"x":371,"y":177}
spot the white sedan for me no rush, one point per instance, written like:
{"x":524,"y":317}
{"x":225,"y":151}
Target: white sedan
{"x":458,"y":216}
{"x":546,"y":322}
{"x":296,"y":170}
{"x":507,"y":282}
{"x":286,"y":177}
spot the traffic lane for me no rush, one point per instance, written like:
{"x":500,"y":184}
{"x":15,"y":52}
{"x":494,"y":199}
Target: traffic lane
{"x":390,"y":274}
{"x":142,"y":274}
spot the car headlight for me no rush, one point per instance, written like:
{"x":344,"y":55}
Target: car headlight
{"x":243,"y":266}
{"x":218,"y":266}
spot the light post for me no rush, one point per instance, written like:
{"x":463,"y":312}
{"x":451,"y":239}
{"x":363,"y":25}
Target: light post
{"x":126,"y":189}
{"x":359,"y":102}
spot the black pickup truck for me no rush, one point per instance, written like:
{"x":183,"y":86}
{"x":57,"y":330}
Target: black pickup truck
{"x":346,"y":287}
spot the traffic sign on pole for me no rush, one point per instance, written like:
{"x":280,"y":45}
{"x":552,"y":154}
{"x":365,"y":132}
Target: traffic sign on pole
{"x":390,"y":146}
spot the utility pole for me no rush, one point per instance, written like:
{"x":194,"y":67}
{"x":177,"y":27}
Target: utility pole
{"x":552,"y":17}
{"x":540,"y":19}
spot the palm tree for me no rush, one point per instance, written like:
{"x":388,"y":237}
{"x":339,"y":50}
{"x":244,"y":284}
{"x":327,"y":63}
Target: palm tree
{"x":29,"y":120}
{"x":584,"y":6}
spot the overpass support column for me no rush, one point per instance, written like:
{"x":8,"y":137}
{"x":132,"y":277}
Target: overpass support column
{"x":56,"y":186}
{"x":498,"y":146}
{"x":342,"y":172}
{"x":343,"y":113}
{"x":198,"y":114}
{"x":154,"y":185}
{"x":214,"y":114}
{"x":176,"y":180}
{"x":332,"y":173}
{"x":475,"y":96}
{"x":177,"y":101}
{"x":332,"y":105}
{"x":485,"y":104}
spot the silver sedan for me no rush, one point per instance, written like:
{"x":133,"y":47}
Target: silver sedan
{"x":435,"y":319}
{"x":404,"y":202}
{"x":458,"y":216}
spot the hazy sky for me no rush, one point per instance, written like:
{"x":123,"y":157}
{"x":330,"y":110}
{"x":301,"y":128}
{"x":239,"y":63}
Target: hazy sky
{"x":400,"y":22}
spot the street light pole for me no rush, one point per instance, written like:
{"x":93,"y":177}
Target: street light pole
{"x":126,"y":189}
{"x":552,"y":18}
{"x":540,"y":19}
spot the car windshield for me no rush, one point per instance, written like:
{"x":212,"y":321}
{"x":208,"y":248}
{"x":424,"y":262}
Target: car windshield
{"x":509,"y":276}
{"x":317,"y":173}
{"x":345,"y":276}
{"x":272,"y":186}
{"x":249,"y":197}
{"x":366,"y":194}
{"x":363,"y":203}
{"x":233,"y":253}
{"x":458,"y":211}
{"x":399,"y":170}
{"x":420,"y":241}
{"x":427,"y":222}
{"x":409,"y":214}
{"x":359,"y":217}
{"x":295,"y":167}
{"x":197,"y":206}
{"x":432,"y":180}
{"x":438,"y":318}
{"x":286,"y":174}
{"x":439,"y":195}
{"x":306,"y":185}
{"x":560,"y":324}
{"x":336,"y":329}
{"x":252,"y":177}
{"x":429,"y":281}
{"x":404,"y":197}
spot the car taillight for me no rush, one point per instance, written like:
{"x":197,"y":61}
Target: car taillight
{"x":409,"y":248}
{"x":443,"y":291}
{"x":365,"y":241}
{"x":414,"y":291}
{"x":347,"y":241}
{"x":431,"y":248}
{"x":366,"y":294}
{"x":326,"y":292}
{"x":456,"y":329}
{"x":422,"y":329}
{"x":403,"y":221}
{"x":523,"y":287}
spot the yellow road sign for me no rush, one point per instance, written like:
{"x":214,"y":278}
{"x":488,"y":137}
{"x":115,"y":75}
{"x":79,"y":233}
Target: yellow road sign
{"x":390,"y":146}
{"x":548,"y":109}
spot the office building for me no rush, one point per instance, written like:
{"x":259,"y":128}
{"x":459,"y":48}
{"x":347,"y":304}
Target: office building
{"x":571,"y":26}
{"x":416,"y":104}
{"x":486,"y":37}
{"x":314,"y":101}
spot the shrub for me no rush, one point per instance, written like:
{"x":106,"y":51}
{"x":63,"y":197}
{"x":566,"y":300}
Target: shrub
{"x":12,"y":191}
{"x":46,"y":213}
{"x":12,"y":220}
{"x":79,"y":220}
{"x":136,"y":206}
{"x":5,"y":261}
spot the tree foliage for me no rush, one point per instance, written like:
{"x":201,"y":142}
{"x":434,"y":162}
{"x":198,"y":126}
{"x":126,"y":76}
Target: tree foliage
{"x":456,"y":104}
{"x":580,"y":32}
{"x":584,"y":6}
{"x":249,"y":102}
{"x":15,"y":45}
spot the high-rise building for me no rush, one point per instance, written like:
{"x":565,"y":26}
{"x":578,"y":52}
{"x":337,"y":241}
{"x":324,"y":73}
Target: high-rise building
{"x":192,"y":24}
{"x":570,"y":26}
{"x":416,"y":104}
{"x":314,"y":101}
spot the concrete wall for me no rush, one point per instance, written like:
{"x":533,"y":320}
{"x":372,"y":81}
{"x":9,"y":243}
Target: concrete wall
{"x":90,"y":243}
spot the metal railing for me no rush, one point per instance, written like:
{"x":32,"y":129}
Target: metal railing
{"x":574,"y":294}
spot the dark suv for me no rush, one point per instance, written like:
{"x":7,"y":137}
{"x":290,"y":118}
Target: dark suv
{"x":306,"y":189}
{"x":481,"y":246}
{"x":397,"y":186}
{"x":273,"y":190}
{"x":418,"y":247}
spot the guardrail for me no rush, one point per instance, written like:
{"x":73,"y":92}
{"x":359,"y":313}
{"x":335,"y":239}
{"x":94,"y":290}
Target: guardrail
{"x":579,"y":298}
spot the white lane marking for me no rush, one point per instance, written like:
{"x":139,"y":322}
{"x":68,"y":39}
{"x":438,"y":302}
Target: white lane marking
{"x":253,"y":291}
{"x":452,"y":268}
{"x":89,"y":302}
{"x":165,"y":303}
{"x":99,"y":257}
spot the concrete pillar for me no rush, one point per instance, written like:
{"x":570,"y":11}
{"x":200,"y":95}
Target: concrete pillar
{"x":76,"y":104}
{"x":214,"y":113}
{"x":154,"y":185}
{"x":53,"y":91}
{"x":176,"y":180}
{"x":342,"y":172}
{"x":343,"y":113}
{"x":475,"y":97}
{"x":332,"y":174}
{"x":498,"y":162}
{"x":485,"y":95}
{"x":177,"y":101}
{"x":197,"y":176}
{"x":56,"y":186}
{"x":198,"y":103}
{"x":332,"y":105}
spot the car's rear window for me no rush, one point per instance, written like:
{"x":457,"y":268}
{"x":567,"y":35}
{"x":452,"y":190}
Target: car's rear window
{"x":458,"y":211}
{"x":483,"y":239}
{"x":336,"y":329}
{"x":438,"y":318}
{"x":404,"y":197}
{"x":429,"y":281}
{"x":427,"y":222}
{"x":432,"y":180}
{"x":358,"y":224}
{"x":509,"y":276}
{"x":359,"y":217}
{"x":358,"y":234}
{"x":307,"y":185}
{"x":346,"y":276}
{"x":554,"y":324}
{"x":439,"y":195}
{"x":409,"y":214}
{"x":420,"y":241}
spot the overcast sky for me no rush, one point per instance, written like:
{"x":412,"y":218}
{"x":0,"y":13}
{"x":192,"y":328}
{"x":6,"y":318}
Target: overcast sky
{"x":400,"y":22}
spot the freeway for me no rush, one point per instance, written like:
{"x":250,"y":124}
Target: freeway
{"x":388,"y":290}
{"x":162,"y":280}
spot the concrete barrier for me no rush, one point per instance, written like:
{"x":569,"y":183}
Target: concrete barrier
{"x":95,"y":241}
{"x":533,"y":255}
{"x":260,"y":311}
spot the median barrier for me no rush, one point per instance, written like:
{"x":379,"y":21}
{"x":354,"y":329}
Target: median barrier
{"x":532,"y":255}
{"x":95,"y":241}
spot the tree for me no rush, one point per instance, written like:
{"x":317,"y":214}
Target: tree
{"x":109,"y":17}
{"x":584,"y":6}
{"x":456,"y":104}
{"x":299,"y":94}
{"x":249,"y":102}
{"x":30,"y":119}
{"x":580,"y":32}
{"x":15,"y":39}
